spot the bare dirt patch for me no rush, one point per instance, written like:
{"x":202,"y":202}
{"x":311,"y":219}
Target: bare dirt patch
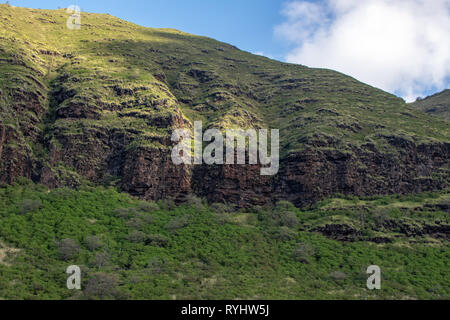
{"x":5,"y":253}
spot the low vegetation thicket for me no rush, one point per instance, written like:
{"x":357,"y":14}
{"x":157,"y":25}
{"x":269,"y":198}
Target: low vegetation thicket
{"x":130,"y":249}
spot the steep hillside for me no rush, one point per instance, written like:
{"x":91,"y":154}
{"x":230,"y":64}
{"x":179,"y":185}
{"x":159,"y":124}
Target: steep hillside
{"x":99,"y":105}
{"x":437,"y":104}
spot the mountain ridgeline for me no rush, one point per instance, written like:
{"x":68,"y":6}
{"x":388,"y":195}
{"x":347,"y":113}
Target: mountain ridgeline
{"x":99,"y":105}
{"x":437,"y":104}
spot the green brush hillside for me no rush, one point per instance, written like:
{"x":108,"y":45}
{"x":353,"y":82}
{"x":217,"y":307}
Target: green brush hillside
{"x":130,"y":249}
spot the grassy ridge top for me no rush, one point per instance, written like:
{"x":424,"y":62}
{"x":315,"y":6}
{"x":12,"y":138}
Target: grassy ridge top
{"x":437,"y":104}
{"x":206,"y":79}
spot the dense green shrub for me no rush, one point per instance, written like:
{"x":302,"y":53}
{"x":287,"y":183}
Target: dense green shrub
{"x":102,"y":286}
{"x":167,"y":204}
{"x":222,"y":208}
{"x":93,"y":243}
{"x":101,"y":259}
{"x":288,"y":219}
{"x":284,"y":234}
{"x":124,"y":213}
{"x":135,"y":223}
{"x":146,"y":218}
{"x":155,"y":265}
{"x":157,"y":240}
{"x":29,"y":205}
{"x":338,"y":275}
{"x":195,"y":202}
{"x":193,"y":254}
{"x":304,"y":252}
{"x":178,"y":223}
{"x":67,"y":249}
{"x":281,"y":218}
{"x":137,"y":236}
{"x":284,"y":205}
{"x":148,"y":207}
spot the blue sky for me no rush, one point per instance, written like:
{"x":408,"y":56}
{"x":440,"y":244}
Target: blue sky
{"x":398,"y":46}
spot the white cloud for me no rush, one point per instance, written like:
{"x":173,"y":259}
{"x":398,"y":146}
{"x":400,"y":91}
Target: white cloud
{"x":397,"y":45}
{"x":261,"y":53}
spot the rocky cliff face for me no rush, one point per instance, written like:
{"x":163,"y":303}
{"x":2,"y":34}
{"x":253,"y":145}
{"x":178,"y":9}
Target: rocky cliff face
{"x":315,"y":174}
{"x":100,"y":105}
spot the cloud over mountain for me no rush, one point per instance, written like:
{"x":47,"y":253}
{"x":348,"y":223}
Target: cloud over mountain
{"x":399,"y":46}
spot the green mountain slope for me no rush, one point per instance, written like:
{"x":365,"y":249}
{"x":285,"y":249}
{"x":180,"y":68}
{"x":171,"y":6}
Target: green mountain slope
{"x":99,"y":105}
{"x":93,"y":110}
{"x":437,"y":104}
